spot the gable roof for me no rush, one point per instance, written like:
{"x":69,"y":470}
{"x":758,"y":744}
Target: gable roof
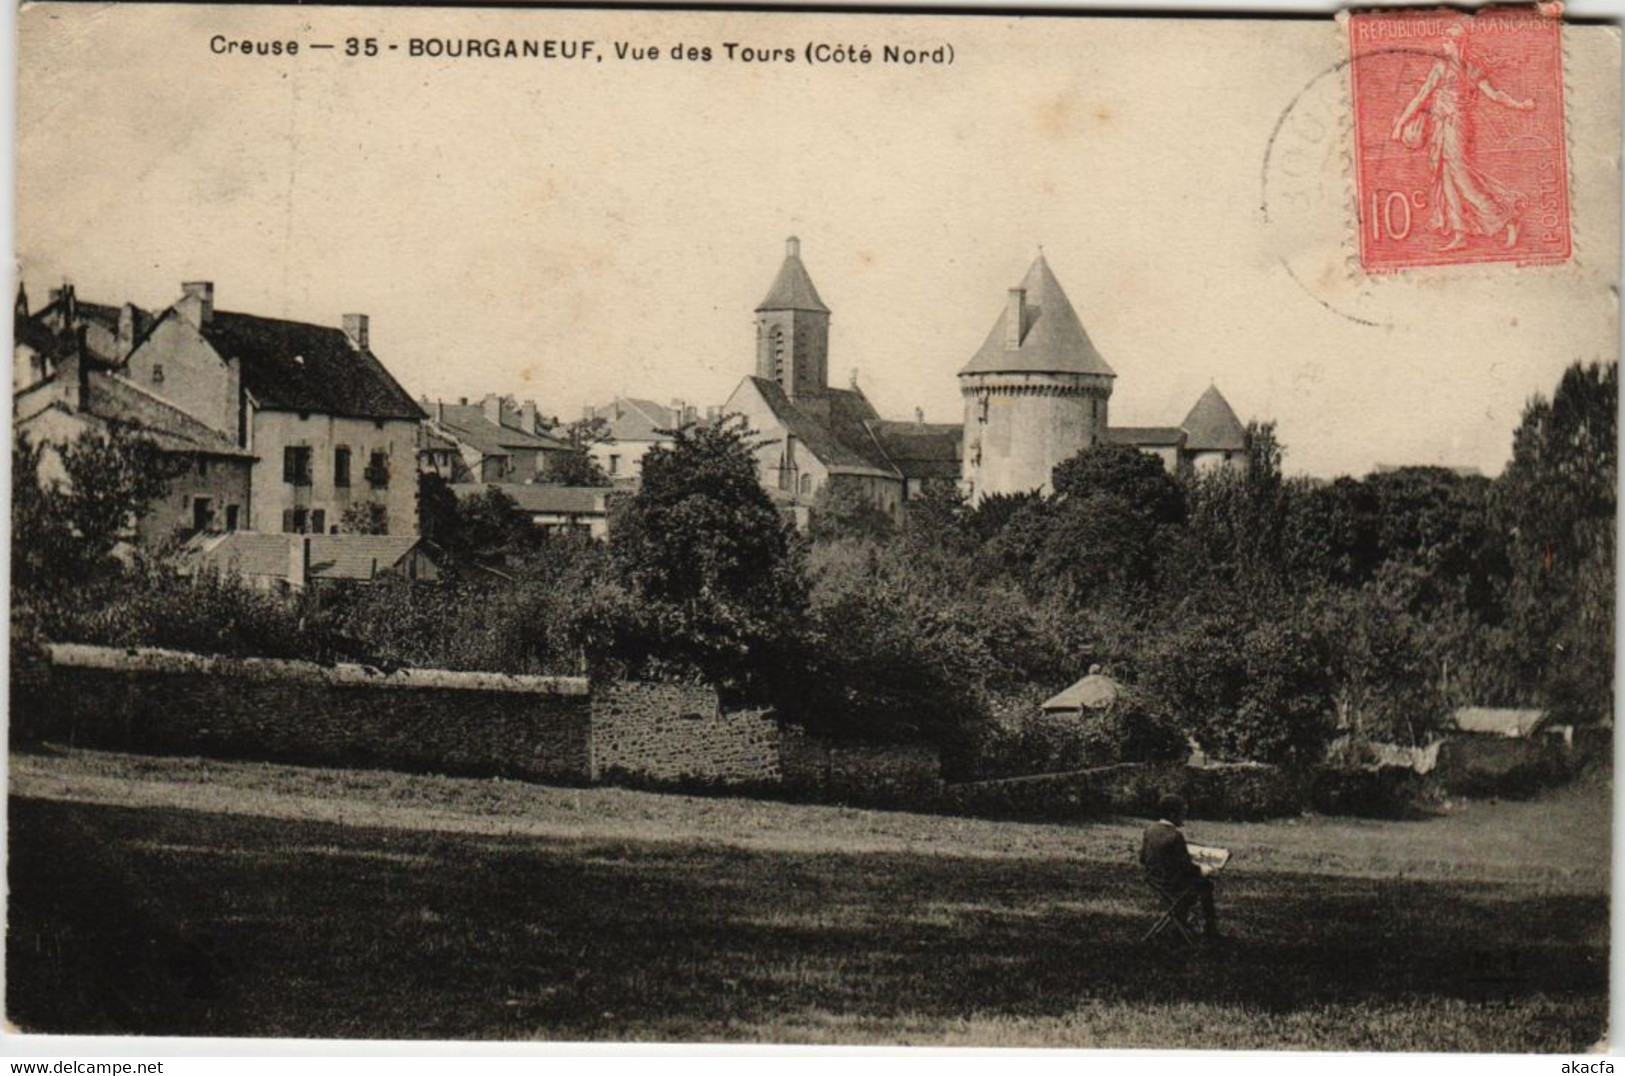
{"x":793,"y":288}
{"x":1053,"y":340}
{"x":295,"y":366}
{"x":833,"y":424}
{"x":468,"y":424}
{"x":630,"y":418}
{"x":332,"y":556}
{"x":1146,"y":436}
{"x":921,"y":450}
{"x":1212,"y":426}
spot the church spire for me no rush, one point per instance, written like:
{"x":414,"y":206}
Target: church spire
{"x":793,"y":288}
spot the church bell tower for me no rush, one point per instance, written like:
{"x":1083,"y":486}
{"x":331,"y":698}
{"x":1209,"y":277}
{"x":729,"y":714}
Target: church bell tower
{"x":792,"y":330}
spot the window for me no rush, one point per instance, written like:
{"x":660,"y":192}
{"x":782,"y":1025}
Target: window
{"x":296,"y":465}
{"x":981,"y":409}
{"x":318,"y":521}
{"x":614,"y":464}
{"x":294,"y":520}
{"x":157,"y":373}
{"x":378,"y":469}
{"x":203,"y":467}
{"x":806,"y":483}
{"x":341,"y":466}
{"x":231,"y":517}
{"x":202,"y":513}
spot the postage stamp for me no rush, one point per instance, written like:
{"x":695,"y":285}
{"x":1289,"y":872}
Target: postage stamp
{"x":1459,"y":138}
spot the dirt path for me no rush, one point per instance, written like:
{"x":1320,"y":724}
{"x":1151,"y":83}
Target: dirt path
{"x":1559,"y":843}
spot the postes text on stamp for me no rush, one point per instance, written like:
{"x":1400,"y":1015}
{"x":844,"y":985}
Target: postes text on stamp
{"x":1459,"y":139}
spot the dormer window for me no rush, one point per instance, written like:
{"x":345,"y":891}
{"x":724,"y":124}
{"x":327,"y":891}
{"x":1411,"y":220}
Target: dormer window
{"x":157,"y":373}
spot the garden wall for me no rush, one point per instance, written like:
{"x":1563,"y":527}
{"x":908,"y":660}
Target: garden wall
{"x":657,"y":733}
{"x":871,"y":774}
{"x":165,"y":702}
{"x":1213,"y":791}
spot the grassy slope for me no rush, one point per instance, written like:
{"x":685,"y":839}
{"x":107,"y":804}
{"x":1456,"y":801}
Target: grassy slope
{"x":209,"y":898}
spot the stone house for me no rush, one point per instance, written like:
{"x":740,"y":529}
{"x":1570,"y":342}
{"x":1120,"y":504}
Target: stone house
{"x":497,"y":439}
{"x":211,"y":483}
{"x":326,"y":423}
{"x":635,"y":426}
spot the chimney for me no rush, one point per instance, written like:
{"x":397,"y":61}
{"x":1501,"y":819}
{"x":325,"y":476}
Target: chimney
{"x":792,"y":247}
{"x":126,"y":331}
{"x":589,"y":412}
{"x":355,"y":327}
{"x":298,"y":561}
{"x":853,"y":380}
{"x":198,"y":294}
{"x":491,"y":408}
{"x":1015,"y":314}
{"x":919,"y":416}
{"x":79,"y":376}
{"x":462,"y":401}
{"x":527,"y":416}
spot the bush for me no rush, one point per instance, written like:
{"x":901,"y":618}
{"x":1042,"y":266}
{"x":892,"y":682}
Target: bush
{"x":1366,"y":792}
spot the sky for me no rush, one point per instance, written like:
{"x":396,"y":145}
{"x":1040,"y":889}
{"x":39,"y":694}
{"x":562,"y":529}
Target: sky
{"x":567,"y":231}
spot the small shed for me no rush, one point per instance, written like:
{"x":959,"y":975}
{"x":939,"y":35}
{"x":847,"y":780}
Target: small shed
{"x":1097,"y":691}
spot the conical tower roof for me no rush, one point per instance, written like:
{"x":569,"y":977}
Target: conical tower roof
{"x":1212,"y":426}
{"x":1052,"y":339}
{"x":792,"y":289}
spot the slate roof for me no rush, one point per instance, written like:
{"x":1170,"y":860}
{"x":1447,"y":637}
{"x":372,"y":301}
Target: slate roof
{"x":541,"y":499}
{"x":171,"y":429}
{"x":1053,"y":339}
{"x":1212,"y":426}
{"x":1499,"y":721}
{"x":793,"y":288}
{"x":468,"y":424}
{"x":295,"y":366}
{"x":639,"y":420}
{"x":921,"y":450}
{"x":332,"y":556}
{"x":100,"y":314}
{"x":1146,"y":436}
{"x":833,"y":424}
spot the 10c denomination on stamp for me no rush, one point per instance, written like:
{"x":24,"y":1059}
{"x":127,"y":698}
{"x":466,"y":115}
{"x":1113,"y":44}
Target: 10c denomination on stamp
{"x":1459,"y":141}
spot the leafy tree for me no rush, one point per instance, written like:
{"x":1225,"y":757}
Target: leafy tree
{"x":717,"y":574}
{"x":1260,"y":691}
{"x":365,"y":517}
{"x":437,"y":509}
{"x":67,"y":527}
{"x":1557,"y":500}
{"x":1135,"y":478}
{"x":577,"y":467}
{"x":841,"y":510}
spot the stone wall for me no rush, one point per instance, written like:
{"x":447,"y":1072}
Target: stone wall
{"x":873,"y":774}
{"x":657,"y":733}
{"x":1214,"y":791}
{"x":165,"y":702}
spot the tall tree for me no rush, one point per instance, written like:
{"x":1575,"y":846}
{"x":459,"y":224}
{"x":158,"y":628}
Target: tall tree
{"x":716,"y":573}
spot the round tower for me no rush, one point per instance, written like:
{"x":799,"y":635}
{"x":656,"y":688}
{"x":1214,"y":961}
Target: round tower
{"x":1035,"y":394}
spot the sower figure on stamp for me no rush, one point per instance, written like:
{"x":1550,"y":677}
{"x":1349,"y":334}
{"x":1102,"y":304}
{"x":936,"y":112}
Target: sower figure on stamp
{"x":1465,"y":199}
{"x":1167,"y":860}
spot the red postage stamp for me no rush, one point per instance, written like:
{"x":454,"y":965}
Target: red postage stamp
{"x":1459,"y":141}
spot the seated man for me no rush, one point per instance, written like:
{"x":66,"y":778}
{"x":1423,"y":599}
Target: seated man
{"x":1167,"y":861}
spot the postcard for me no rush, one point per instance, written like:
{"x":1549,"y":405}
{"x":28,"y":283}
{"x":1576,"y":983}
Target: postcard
{"x":558,"y":525}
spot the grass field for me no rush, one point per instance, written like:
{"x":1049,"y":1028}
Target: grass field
{"x":172,"y":896}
